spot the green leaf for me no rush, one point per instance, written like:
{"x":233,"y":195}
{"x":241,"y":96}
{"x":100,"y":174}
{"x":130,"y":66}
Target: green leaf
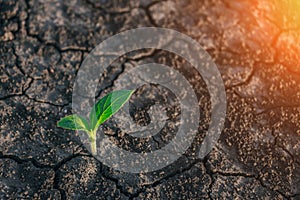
{"x":108,"y":106}
{"x":74,"y":122}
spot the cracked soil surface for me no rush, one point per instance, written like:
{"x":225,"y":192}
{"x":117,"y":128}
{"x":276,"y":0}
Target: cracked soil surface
{"x":255,"y":46}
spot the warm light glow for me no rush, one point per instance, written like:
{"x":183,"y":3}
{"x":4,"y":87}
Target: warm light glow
{"x":288,"y":14}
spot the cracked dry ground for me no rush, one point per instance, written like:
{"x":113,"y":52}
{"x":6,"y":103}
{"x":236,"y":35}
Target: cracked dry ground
{"x":255,"y":48}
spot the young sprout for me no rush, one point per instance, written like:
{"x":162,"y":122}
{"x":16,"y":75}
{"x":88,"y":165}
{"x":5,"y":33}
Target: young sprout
{"x":105,"y":108}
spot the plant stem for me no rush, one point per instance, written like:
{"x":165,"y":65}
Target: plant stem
{"x":93,"y":144}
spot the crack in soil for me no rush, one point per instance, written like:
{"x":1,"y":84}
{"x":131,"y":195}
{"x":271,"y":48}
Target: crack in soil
{"x":24,"y":25}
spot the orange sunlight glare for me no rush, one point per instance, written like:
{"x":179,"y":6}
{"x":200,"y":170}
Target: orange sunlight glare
{"x":287,"y":17}
{"x":288,"y":14}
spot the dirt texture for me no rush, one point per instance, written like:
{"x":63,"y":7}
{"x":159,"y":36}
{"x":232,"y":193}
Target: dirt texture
{"x":42,"y":45}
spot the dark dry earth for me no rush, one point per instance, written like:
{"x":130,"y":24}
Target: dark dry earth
{"x":42,"y":46}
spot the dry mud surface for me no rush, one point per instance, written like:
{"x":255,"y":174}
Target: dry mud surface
{"x":43,"y":43}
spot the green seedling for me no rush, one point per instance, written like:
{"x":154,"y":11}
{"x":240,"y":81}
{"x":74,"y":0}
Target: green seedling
{"x":104,"y":109}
